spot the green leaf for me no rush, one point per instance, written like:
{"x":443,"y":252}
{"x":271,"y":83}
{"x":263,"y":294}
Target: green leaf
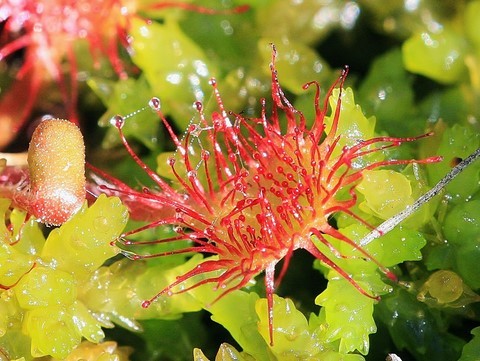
{"x":176,"y":68}
{"x":471,"y":350}
{"x":439,"y":56}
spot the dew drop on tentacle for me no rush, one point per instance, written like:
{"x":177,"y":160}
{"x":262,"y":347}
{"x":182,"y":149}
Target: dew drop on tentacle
{"x":117,"y":121}
{"x":198,"y":106}
{"x":155,"y":104}
{"x":205,"y":154}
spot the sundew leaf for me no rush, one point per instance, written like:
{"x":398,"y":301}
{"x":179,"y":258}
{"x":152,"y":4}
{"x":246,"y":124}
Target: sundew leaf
{"x":182,"y":74}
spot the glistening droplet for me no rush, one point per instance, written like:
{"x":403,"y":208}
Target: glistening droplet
{"x":117,"y":121}
{"x":155,"y":104}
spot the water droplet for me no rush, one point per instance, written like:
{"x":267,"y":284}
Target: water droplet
{"x":100,"y":223}
{"x":192,"y":174}
{"x":117,"y":121}
{"x":205,"y":154}
{"x":171,"y":162}
{"x":146,"y":304}
{"x":212,"y":82}
{"x":155,"y":104}
{"x":178,"y":229}
{"x":179,"y":217}
{"x":194,"y":130}
{"x":209,"y":231}
{"x":198,"y":105}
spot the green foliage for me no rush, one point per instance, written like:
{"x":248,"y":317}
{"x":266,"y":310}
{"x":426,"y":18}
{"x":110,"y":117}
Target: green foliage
{"x":120,"y":98}
{"x":417,"y":328}
{"x":472,"y":349}
{"x":386,"y":192}
{"x":457,"y":142}
{"x":42,"y":294}
{"x":440,"y":55}
{"x":414,"y":66}
{"x":226,"y":352}
{"x":185,"y":72}
{"x":387,"y":92}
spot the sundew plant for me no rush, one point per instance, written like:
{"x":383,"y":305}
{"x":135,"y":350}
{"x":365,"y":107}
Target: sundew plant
{"x":298,"y":210}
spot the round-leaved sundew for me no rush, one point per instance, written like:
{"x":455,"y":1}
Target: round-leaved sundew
{"x":44,"y":34}
{"x":251,"y":191}
{"x":56,"y":163}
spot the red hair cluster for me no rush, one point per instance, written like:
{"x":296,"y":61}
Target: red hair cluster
{"x":48,"y":30}
{"x":252,"y":191}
